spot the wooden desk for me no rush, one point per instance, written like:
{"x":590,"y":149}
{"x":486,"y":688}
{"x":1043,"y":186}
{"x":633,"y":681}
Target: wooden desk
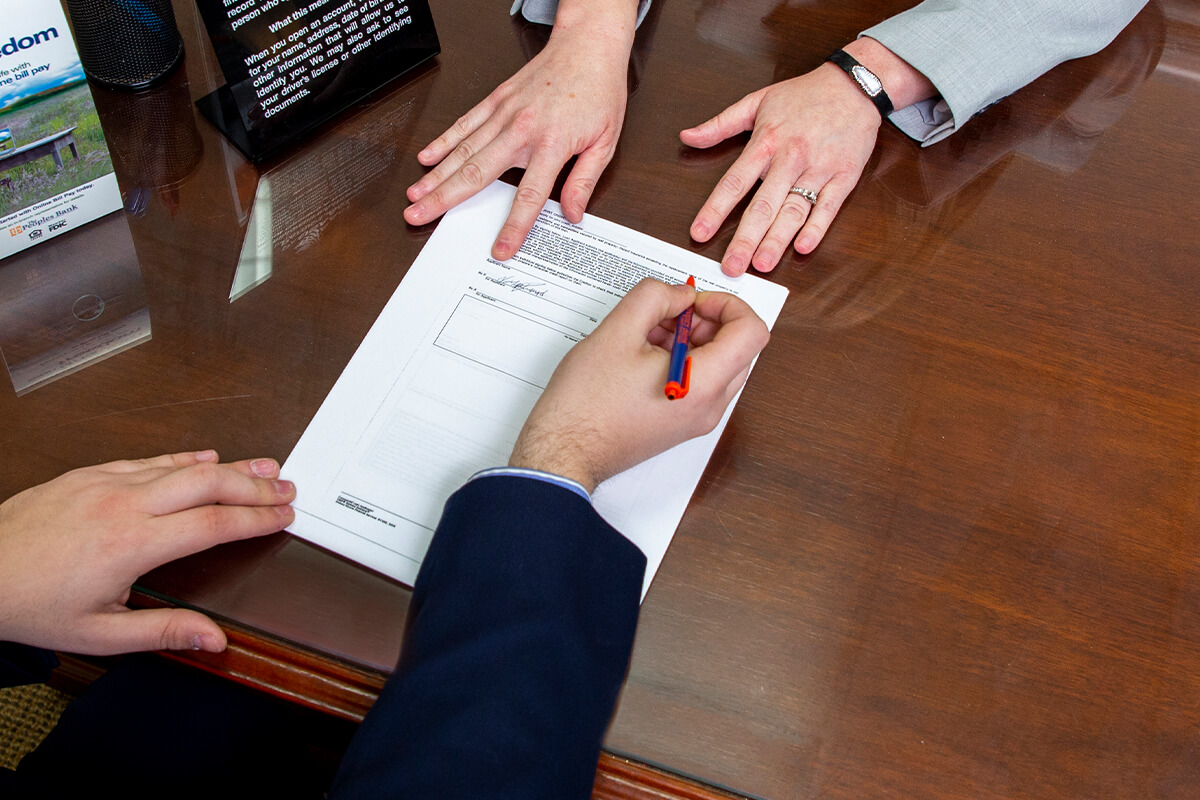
{"x":948,"y":545}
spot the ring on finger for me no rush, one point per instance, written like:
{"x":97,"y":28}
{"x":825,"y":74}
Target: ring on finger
{"x":807,"y":194}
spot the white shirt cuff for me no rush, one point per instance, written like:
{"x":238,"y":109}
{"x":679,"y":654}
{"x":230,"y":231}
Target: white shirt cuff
{"x":542,"y":11}
{"x":537,"y":475}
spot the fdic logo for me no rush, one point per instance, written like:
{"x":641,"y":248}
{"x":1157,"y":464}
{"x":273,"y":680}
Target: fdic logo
{"x":15,"y":45}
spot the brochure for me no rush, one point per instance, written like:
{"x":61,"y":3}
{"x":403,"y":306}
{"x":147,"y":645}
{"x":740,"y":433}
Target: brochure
{"x":55,"y":170}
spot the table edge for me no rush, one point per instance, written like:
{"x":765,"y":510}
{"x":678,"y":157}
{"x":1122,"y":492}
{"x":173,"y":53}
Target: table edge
{"x":340,"y":689}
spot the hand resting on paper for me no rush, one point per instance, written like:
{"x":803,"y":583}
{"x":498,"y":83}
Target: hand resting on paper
{"x":70,"y":549}
{"x":568,"y":101}
{"x":604,"y":409}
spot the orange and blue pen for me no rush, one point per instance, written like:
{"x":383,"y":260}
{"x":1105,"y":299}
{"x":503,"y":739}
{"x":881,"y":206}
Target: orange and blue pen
{"x":679,"y":374}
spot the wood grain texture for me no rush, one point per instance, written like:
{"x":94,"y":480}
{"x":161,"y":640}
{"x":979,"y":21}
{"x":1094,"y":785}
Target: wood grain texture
{"x":947,"y":546}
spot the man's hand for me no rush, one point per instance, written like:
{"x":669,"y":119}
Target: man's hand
{"x":813,"y":132}
{"x":569,"y":100}
{"x":71,"y":549}
{"x":604,"y":409}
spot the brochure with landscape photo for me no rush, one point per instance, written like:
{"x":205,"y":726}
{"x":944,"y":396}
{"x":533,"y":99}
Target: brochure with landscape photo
{"x":55,"y":169}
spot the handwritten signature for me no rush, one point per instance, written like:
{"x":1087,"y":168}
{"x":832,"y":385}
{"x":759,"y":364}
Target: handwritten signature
{"x":518,"y":285}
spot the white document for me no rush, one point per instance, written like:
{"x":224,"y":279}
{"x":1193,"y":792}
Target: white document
{"x":442,"y":383}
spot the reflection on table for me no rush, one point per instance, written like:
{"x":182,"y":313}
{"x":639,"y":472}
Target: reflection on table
{"x":71,"y":303}
{"x":947,"y":545}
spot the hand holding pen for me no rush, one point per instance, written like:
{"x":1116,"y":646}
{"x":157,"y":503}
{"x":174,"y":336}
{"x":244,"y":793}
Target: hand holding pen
{"x":604,"y":409}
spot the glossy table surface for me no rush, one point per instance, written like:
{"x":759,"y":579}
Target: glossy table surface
{"x":948,"y":545}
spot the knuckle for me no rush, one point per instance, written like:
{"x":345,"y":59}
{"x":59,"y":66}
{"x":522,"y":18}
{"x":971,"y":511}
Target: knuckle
{"x":605,"y":144}
{"x":845,"y":165}
{"x":208,"y":475}
{"x":465,"y":150}
{"x":172,"y":635}
{"x":524,"y":122}
{"x":551,"y":141}
{"x":472,"y":175}
{"x":529,"y":197}
{"x":793,"y":214}
{"x":435,"y":199}
{"x":500,"y":94}
{"x":733,"y":184}
{"x":761,"y":208}
{"x":80,"y":479}
{"x":799,"y":150}
{"x":584,"y":186}
{"x":461,"y":127}
{"x":767,"y":138}
{"x":742,"y":243}
{"x":108,"y":505}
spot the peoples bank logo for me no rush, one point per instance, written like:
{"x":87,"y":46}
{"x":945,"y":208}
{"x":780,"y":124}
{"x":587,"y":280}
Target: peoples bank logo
{"x":15,"y":45}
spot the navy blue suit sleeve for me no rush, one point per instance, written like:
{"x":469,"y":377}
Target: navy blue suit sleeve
{"x":21,"y":664}
{"x":518,"y":640}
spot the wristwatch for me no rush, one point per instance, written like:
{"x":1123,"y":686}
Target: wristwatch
{"x":867,"y":81}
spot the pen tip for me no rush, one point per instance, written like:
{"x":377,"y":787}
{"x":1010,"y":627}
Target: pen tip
{"x":691,"y":281}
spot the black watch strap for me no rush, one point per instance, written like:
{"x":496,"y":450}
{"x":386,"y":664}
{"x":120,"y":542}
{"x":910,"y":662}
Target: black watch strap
{"x":867,"y":81}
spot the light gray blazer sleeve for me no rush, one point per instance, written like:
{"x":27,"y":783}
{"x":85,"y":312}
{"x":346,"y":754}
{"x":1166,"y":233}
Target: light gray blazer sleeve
{"x":543,"y":11}
{"x":976,"y":52}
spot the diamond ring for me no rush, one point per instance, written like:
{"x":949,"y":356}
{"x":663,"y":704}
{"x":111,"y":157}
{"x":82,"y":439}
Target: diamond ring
{"x":807,"y":194}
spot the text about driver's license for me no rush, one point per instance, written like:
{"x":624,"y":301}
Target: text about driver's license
{"x":312,"y":38}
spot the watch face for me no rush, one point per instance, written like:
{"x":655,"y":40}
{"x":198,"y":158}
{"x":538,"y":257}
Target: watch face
{"x":867,"y":80}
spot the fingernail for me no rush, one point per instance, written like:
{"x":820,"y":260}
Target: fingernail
{"x":264,"y":467}
{"x":699,"y":231}
{"x":206,"y":455}
{"x":415,"y":214}
{"x":202,"y":641}
{"x":284,"y":488}
{"x":734,"y":265}
{"x":806,"y":244}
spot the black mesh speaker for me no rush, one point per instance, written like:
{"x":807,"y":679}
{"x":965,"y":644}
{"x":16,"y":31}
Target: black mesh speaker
{"x":126,"y":44}
{"x":152,"y":134}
